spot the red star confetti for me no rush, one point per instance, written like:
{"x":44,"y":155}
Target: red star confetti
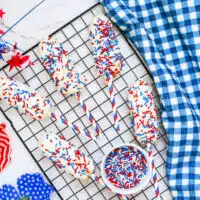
{"x":1,"y":32}
{"x":19,"y":60}
{"x":5,"y":149}
{"x":15,"y":46}
{"x":1,"y":13}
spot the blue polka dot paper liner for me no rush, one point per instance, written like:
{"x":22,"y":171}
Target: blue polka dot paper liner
{"x":29,"y":187}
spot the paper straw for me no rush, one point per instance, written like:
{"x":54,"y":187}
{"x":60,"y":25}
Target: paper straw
{"x":154,"y":173}
{"x":73,"y":126}
{"x":61,"y":68}
{"x":90,"y":117}
{"x":114,"y":106}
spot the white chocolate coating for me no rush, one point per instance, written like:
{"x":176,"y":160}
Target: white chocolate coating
{"x":106,"y":51}
{"x":66,"y":156}
{"x":60,"y":67}
{"x":24,"y":99}
{"x":143,"y":112}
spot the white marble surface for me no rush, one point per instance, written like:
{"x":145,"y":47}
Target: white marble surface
{"x":45,"y":19}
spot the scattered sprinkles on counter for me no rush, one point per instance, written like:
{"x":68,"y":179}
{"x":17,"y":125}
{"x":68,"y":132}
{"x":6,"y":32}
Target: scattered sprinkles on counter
{"x":107,"y":56}
{"x":66,"y":156}
{"x":144,"y":120}
{"x":1,"y":31}
{"x":126,"y":167}
{"x":5,"y":148}
{"x":28,"y":101}
{"x":13,"y":57}
{"x":61,"y":68}
{"x":16,"y":58}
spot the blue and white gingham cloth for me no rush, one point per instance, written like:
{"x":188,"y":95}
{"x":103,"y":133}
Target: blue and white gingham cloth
{"x":167,"y":34}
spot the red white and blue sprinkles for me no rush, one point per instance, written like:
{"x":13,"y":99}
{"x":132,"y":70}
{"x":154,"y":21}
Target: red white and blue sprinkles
{"x":107,"y":56}
{"x":144,"y":120}
{"x":61,"y":68}
{"x":28,"y":101}
{"x":24,"y":99}
{"x":126,"y":167}
{"x":5,"y":148}
{"x":66,"y":156}
{"x":143,"y":112}
{"x":106,"y":51}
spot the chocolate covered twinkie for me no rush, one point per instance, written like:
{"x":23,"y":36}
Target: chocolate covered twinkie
{"x":30,"y":102}
{"x":107,"y":56}
{"x":143,"y":112}
{"x":61,"y":68}
{"x":144,"y":120}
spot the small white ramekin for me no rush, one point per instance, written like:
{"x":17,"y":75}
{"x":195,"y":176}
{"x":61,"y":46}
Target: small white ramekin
{"x":138,"y":187}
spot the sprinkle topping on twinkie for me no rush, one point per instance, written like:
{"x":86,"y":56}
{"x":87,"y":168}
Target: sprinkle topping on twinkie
{"x":24,"y":99}
{"x":126,"y":167}
{"x":106,"y":51}
{"x":143,"y":112}
{"x":60,"y":67}
{"x":66,"y":156}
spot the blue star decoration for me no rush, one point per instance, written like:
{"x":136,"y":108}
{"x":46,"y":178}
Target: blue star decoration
{"x":29,"y":187}
{"x":3,"y":49}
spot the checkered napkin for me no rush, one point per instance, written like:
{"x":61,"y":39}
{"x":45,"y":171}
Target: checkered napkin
{"x":167,"y":34}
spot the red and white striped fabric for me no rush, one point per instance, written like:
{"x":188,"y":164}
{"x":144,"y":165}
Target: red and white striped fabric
{"x":5,"y":149}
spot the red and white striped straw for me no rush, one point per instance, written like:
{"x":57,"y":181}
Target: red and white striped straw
{"x":154,"y":173}
{"x":73,"y":126}
{"x":88,"y":113}
{"x":109,"y":81}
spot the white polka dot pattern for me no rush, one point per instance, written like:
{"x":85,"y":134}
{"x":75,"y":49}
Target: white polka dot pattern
{"x":30,"y":186}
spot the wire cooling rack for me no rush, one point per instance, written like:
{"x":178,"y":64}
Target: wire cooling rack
{"x":75,"y":38}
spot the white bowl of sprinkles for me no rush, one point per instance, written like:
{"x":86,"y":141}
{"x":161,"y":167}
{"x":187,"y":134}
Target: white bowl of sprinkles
{"x":126,"y":169}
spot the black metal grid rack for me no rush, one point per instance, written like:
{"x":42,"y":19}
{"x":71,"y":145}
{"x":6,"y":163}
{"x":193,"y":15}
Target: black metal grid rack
{"x":75,"y":38}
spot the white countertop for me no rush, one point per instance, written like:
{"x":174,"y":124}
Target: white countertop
{"x":40,"y":22}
